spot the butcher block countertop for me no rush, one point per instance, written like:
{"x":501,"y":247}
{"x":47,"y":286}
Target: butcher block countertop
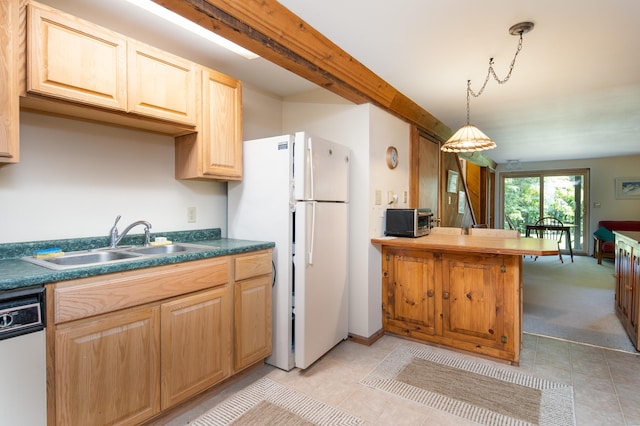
{"x":475,"y":244}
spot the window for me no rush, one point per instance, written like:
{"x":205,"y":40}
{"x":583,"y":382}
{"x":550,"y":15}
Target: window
{"x":563,"y":194}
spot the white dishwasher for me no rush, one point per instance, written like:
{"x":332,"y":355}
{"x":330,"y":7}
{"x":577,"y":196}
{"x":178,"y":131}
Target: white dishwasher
{"x":23,"y":384}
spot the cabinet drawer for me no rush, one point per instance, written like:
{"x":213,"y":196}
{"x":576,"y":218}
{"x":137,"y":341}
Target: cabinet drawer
{"x":101,"y":294}
{"x":252,"y":265}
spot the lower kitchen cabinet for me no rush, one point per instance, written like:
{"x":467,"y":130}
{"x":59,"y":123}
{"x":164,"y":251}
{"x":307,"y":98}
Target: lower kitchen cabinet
{"x":409,"y":293}
{"x":196,"y":344}
{"x":252,"y":308}
{"x":123,"y":347}
{"x":465,"y":301}
{"x":627,"y":279}
{"x":107,"y":370}
{"x":477,"y":302}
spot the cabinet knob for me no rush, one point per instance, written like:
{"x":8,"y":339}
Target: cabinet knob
{"x":430,"y":293}
{"x":628,"y":287}
{"x":385,"y":274}
{"x":445,"y":295}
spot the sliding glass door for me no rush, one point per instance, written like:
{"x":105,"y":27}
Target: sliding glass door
{"x":562,"y":194}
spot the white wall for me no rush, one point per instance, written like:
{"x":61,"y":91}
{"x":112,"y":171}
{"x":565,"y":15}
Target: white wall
{"x":603,"y":172}
{"x":261,"y":114}
{"x":75,"y":177}
{"x":367,"y":131}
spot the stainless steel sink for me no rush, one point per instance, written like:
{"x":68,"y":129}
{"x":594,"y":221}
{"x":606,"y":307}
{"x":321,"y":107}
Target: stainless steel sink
{"x":90,"y":257}
{"x":108,"y":255}
{"x":169,"y":248}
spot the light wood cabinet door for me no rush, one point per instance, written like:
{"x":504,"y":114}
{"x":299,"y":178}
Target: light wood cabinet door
{"x":252,"y":316}
{"x":161,"y":85}
{"x":222,"y":125}
{"x":409,"y":293}
{"x":9,"y":91}
{"x":107,"y":369}
{"x":253,"y":313}
{"x":476,"y":301}
{"x":74,"y":60}
{"x":215,"y":151}
{"x":196,"y":344}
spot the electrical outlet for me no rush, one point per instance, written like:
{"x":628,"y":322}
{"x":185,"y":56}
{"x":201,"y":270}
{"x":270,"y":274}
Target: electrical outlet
{"x":191,"y":214}
{"x":378,"y":197}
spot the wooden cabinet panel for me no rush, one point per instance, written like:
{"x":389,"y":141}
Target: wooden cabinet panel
{"x":72,"y":59}
{"x":252,"y":265}
{"x":252,"y":308}
{"x":215,"y":152}
{"x":97,"y":295}
{"x":161,"y":85}
{"x":409,"y":293}
{"x":222,"y":126}
{"x":252,"y":319}
{"x":196,"y":344}
{"x":465,"y":301}
{"x":627,"y":275}
{"x":475,"y":300}
{"x":107,"y":370}
{"x":9,"y":88}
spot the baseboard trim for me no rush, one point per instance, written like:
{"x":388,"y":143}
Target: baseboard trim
{"x":367,"y":341}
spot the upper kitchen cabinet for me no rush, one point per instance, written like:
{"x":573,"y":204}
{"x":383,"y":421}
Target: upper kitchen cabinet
{"x":74,"y":60}
{"x":79,"y":69}
{"x":161,"y":85}
{"x":9,"y":88}
{"x":215,"y":152}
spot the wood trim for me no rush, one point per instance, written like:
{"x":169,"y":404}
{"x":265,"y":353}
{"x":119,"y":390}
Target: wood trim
{"x":270,"y":30}
{"x":367,"y":341}
{"x":414,"y":167}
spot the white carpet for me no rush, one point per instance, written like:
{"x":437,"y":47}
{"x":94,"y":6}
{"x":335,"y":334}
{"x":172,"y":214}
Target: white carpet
{"x":572,"y":301}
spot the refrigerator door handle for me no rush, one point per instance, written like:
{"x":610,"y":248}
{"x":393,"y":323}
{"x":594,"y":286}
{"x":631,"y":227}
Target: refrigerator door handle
{"x":311,"y":173}
{"x":313,"y":233}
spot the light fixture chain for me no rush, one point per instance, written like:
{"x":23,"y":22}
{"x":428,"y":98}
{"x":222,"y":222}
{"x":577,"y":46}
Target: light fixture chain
{"x":469,"y":138}
{"x":492,"y":72}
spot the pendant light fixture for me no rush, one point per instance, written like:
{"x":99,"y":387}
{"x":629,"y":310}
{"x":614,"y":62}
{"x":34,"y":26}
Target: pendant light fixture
{"x":469,"y":138}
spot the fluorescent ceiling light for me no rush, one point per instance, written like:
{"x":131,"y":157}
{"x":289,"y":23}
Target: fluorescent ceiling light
{"x":188,"y":25}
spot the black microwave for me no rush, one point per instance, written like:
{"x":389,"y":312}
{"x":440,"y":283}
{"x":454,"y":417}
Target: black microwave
{"x":408,"y":222}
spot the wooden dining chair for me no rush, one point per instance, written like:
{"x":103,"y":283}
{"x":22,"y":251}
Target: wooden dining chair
{"x":550,"y":234}
{"x":489,"y":232}
{"x":446,"y":230}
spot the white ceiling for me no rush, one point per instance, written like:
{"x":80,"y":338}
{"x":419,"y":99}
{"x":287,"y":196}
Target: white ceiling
{"x":574,"y":92}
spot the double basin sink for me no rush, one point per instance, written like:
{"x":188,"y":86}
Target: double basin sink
{"x":106,"y":256}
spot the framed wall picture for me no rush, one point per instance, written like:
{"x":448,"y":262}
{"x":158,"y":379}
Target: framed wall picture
{"x":628,"y":188}
{"x":462,"y":201}
{"x":452,"y":182}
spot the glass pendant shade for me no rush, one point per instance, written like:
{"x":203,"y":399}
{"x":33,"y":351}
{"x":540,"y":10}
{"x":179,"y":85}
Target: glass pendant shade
{"x":468,"y":139}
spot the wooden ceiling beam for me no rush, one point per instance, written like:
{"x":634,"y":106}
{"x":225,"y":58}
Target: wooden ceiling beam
{"x":272,"y":31}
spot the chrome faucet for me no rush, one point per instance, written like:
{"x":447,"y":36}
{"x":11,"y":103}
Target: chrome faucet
{"x":116,"y":237}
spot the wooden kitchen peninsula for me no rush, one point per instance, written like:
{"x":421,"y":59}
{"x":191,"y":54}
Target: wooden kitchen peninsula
{"x":461,"y":291}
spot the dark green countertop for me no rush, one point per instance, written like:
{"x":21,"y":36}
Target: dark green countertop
{"x":16,"y":273}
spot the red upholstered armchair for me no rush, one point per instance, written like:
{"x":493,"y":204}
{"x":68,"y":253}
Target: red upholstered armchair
{"x":603,"y":243}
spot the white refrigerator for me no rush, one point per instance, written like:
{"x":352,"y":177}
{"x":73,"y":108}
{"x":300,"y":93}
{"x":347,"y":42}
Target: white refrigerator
{"x":295,"y":192}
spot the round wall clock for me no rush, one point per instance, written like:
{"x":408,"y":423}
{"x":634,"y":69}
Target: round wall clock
{"x":392,"y":157}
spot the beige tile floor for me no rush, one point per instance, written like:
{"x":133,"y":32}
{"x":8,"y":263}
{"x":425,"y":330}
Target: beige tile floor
{"x":606,"y":383}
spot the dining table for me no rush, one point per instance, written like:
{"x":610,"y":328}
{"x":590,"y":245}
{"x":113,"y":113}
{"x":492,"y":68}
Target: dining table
{"x":538,"y":230}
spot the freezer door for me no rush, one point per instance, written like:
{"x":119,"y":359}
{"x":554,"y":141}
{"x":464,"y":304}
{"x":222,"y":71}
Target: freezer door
{"x":321,"y":169}
{"x":321,"y":291}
